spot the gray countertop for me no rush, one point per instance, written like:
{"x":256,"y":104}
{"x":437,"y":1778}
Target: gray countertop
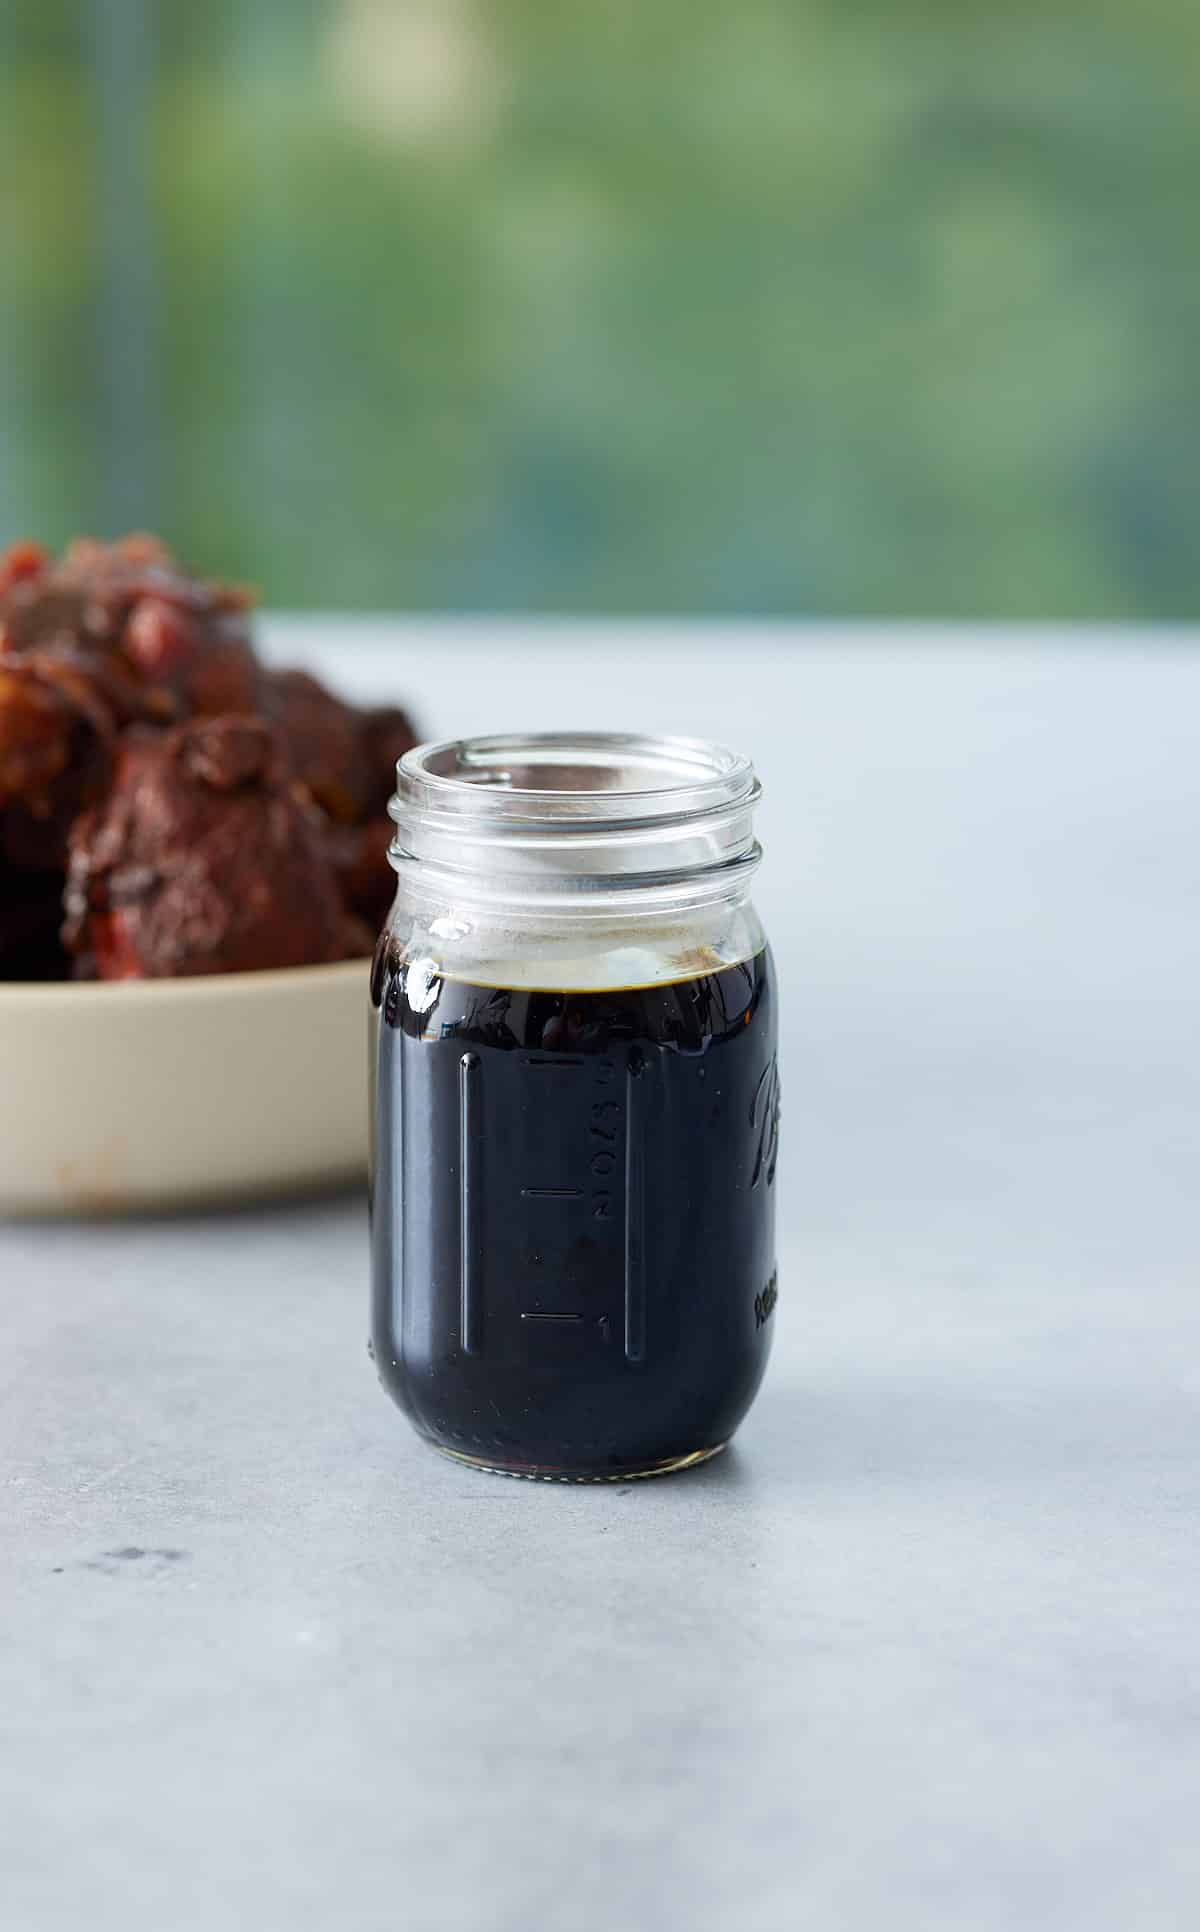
{"x":920,"y":1650}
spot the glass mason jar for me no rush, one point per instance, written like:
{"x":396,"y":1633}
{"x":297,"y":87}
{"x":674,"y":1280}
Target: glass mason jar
{"x":575,"y":1105}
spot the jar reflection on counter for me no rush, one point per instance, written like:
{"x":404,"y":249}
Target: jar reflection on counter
{"x":576,"y":1106}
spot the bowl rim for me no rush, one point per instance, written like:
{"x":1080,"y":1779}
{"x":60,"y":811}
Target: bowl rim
{"x":25,"y":993}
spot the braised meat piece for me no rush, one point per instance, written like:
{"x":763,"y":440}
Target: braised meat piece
{"x":358,"y":855}
{"x":345,"y":757}
{"x":367,"y":880}
{"x":57,"y":736}
{"x":323,"y":737}
{"x":387,"y":735}
{"x":204,"y":858}
{"x":130,"y":611}
{"x":346,"y":760}
{"x":103,"y":650}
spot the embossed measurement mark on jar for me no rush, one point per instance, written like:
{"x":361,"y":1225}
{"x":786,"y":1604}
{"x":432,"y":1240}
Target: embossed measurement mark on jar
{"x":635,"y":1198}
{"x":580,"y":1215}
{"x":603,"y":1136}
{"x":470,"y":1203}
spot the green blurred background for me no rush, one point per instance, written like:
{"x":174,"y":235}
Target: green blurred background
{"x":646,"y":305}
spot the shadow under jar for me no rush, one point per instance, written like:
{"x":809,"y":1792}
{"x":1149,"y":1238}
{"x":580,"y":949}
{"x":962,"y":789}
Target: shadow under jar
{"x":575,"y":1105}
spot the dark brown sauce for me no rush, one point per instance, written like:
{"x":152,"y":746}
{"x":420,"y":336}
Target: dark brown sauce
{"x":573,"y":1215}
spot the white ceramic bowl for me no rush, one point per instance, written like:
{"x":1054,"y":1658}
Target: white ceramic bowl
{"x":168,"y":1093}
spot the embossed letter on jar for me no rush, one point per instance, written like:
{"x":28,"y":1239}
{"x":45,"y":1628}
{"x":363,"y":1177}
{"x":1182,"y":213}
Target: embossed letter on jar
{"x":576,"y":1105}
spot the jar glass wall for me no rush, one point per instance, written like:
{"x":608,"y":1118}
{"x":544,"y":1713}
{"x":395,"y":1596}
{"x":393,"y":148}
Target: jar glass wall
{"x":575,"y":1105}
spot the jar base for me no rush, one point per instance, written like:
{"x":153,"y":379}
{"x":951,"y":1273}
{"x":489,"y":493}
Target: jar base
{"x":535,"y":1473}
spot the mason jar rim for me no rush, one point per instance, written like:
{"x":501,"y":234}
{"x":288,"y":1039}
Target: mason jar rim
{"x":573,"y":778}
{"x":564,"y":817}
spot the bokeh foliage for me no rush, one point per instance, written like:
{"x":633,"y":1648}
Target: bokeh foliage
{"x":891,"y":308}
